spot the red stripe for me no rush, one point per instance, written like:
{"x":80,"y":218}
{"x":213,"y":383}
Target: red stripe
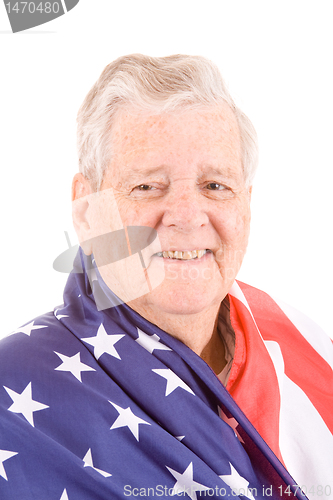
{"x":253,"y":382}
{"x":303,"y":365}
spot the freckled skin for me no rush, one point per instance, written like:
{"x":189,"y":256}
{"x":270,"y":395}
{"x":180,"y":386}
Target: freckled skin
{"x":183,"y":213}
{"x":197,"y":199}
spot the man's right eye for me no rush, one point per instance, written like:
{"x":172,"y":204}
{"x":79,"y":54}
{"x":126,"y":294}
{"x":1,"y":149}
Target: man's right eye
{"x":144,"y":187}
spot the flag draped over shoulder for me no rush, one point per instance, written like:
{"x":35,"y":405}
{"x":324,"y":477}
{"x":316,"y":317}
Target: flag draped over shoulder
{"x":282,"y":379}
{"x":98,"y":403}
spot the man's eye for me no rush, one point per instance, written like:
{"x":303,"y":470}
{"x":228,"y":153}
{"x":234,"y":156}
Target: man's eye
{"x":215,"y":186}
{"x":144,"y":187}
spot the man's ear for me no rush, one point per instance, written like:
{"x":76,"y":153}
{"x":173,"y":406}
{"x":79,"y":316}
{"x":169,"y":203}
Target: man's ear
{"x":81,"y":195}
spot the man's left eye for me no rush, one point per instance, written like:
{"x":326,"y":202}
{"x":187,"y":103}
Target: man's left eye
{"x":144,"y":187}
{"x":215,"y":186}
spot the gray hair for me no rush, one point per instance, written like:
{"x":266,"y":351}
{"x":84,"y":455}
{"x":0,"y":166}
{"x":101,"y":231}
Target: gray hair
{"x":156,"y":84}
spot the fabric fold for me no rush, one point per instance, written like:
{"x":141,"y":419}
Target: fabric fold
{"x":103,"y":404}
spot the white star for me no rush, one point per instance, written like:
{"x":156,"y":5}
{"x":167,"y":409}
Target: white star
{"x":28,"y":328}
{"x":185,"y":483}
{"x":59,"y":316}
{"x":180,"y":438}
{"x":88,"y":462}
{"x":103,"y":342}
{"x":73,"y":365}
{"x":4,"y":455}
{"x":23,"y":403}
{"x":127,"y":419}
{"x":232,"y":422}
{"x":150,"y":342}
{"x":64,"y":495}
{"x":173,"y":381}
{"x":238,"y":484}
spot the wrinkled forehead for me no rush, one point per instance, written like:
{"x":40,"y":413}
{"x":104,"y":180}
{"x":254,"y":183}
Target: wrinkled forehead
{"x":134,"y":130}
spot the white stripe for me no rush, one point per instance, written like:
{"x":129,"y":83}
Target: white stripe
{"x":306,"y":444}
{"x":236,"y":291}
{"x":318,"y":339}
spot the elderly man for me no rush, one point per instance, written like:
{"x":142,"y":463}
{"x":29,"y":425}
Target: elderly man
{"x":161,"y":375}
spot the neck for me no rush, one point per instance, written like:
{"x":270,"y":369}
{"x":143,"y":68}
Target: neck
{"x":198,"y":331}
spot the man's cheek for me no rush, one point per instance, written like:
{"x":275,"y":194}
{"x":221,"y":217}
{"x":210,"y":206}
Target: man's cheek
{"x":126,"y":277}
{"x":126,"y":263}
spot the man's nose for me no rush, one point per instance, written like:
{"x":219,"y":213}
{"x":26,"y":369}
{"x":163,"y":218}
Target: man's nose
{"x":185,"y":209}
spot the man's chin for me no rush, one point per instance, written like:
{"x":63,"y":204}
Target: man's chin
{"x":179,"y":299}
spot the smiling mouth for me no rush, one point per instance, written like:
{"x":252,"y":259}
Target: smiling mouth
{"x":182,"y":255}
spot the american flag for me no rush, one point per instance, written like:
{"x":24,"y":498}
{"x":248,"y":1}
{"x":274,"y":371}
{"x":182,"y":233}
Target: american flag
{"x":101,"y":404}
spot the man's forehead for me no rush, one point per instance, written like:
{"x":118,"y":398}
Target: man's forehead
{"x":205,"y":133}
{"x":133,"y":126}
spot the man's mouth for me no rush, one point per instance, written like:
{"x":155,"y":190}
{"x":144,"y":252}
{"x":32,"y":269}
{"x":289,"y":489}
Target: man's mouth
{"x":182,"y":255}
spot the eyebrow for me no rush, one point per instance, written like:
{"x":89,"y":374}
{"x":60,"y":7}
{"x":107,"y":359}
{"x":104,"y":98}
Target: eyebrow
{"x":143,"y":172}
{"x":203,"y":170}
{"x":226,"y":172}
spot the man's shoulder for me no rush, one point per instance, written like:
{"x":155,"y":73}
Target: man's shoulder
{"x":30,"y":347}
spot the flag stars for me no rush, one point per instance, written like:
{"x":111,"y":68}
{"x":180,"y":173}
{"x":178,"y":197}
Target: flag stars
{"x":64,"y":495}
{"x":127,"y":418}
{"x":150,"y":342}
{"x":185,"y":483}
{"x":27,"y":329}
{"x":73,"y":365}
{"x":24,"y":404}
{"x":88,"y":462}
{"x":173,"y":381}
{"x":237,"y":483}
{"x":5,"y":455}
{"x":104,"y":343}
{"x":59,"y":316}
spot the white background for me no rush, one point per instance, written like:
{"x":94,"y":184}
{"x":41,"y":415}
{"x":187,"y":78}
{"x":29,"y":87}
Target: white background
{"x":276,"y":57}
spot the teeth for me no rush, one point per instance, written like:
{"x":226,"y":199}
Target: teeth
{"x":187,"y":255}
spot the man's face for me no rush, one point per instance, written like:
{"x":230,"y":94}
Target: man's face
{"x":181,"y":174}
